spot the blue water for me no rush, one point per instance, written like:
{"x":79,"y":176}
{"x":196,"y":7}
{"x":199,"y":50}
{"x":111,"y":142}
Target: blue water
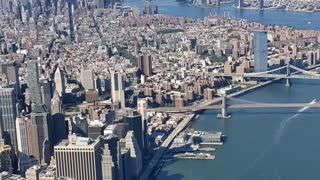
{"x":298,"y":20}
{"x":270,"y":144}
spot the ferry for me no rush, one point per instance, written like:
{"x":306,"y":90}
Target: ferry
{"x":200,"y":156}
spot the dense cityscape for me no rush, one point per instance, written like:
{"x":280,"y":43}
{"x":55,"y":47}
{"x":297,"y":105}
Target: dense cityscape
{"x":94,"y":90}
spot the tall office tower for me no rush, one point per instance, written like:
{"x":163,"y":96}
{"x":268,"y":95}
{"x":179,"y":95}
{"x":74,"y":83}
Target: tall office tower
{"x":218,"y":3}
{"x":58,"y":121}
{"x":11,"y":70}
{"x":5,"y":158}
{"x":71,"y":21}
{"x":33,"y":82}
{"x":260,"y":51}
{"x":261,"y":4}
{"x":142,"y":105}
{"x":108,"y":167}
{"x":79,"y":158}
{"x":40,"y":135}
{"x":135,"y":157}
{"x":60,"y":86}
{"x":8,"y":115}
{"x":45,"y":88}
{"x":25,"y":161}
{"x":117,"y":88}
{"x":87,"y":79}
{"x":133,"y":122}
{"x":145,"y":65}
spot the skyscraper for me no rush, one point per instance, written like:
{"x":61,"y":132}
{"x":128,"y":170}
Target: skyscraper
{"x":108,"y":167}
{"x":260,"y":51}
{"x":79,"y":158}
{"x":133,"y":122}
{"x":261,"y":4}
{"x":33,"y":82}
{"x":11,"y":70}
{"x":8,"y":115}
{"x":58,"y":121}
{"x":60,"y":86}
{"x":132,"y":159}
{"x":117,"y":88}
{"x":145,"y":65}
{"x":40,"y":139}
{"x":23,"y":145}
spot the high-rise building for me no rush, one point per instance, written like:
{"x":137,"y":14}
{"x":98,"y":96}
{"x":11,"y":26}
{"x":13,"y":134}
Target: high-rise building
{"x":8,"y":115}
{"x":58,"y":121}
{"x":260,"y":51}
{"x":108,"y":166}
{"x":133,"y":121}
{"x":11,"y":71}
{"x":45,"y":89}
{"x":33,"y":82}
{"x":117,"y":88}
{"x":60,"y":86}
{"x":40,"y":135}
{"x":25,"y":161}
{"x":87,"y":79}
{"x":131,"y":159}
{"x":261,"y":4}
{"x":145,"y":65}
{"x":79,"y":158}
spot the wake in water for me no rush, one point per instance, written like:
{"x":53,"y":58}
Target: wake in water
{"x":284,"y":124}
{"x":279,"y":133}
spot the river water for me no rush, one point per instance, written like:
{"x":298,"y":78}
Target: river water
{"x":270,"y":144}
{"x":262,"y":143}
{"x":298,"y":20}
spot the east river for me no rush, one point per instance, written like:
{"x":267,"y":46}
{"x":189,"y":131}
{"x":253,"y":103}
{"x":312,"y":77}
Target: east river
{"x":270,"y":144}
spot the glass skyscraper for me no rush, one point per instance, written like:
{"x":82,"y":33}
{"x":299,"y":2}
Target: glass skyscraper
{"x":260,"y":50}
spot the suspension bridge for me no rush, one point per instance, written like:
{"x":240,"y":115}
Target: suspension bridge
{"x":235,"y":104}
{"x":288,"y":72}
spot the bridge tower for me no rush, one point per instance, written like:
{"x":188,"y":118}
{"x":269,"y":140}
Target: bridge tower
{"x":288,"y":83}
{"x":224,"y":109}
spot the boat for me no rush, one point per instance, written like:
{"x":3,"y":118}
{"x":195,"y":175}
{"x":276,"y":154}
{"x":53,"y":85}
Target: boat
{"x":200,"y":156}
{"x":309,"y":22}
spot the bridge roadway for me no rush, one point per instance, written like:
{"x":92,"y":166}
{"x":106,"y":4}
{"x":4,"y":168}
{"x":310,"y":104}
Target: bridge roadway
{"x":266,"y":76}
{"x":163,"y":148}
{"x":240,"y":106}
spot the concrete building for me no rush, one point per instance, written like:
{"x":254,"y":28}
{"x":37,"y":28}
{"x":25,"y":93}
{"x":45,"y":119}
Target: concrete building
{"x":133,"y":121}
{"x":261,"y":4}
{"x":25,"y":161}
{"x":40,"y":136}
{"x":117,"y":88}
{"x":260,"y":51}
{"x":108,"y":166}
{"x":11,"y":71}
{"x":145,"y":65}
{"x":87,"y":79}
{"x":33,"y":82}
{"x":59,"y":81}
{"x":79,"y":158}
{"x":8,"y":115}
